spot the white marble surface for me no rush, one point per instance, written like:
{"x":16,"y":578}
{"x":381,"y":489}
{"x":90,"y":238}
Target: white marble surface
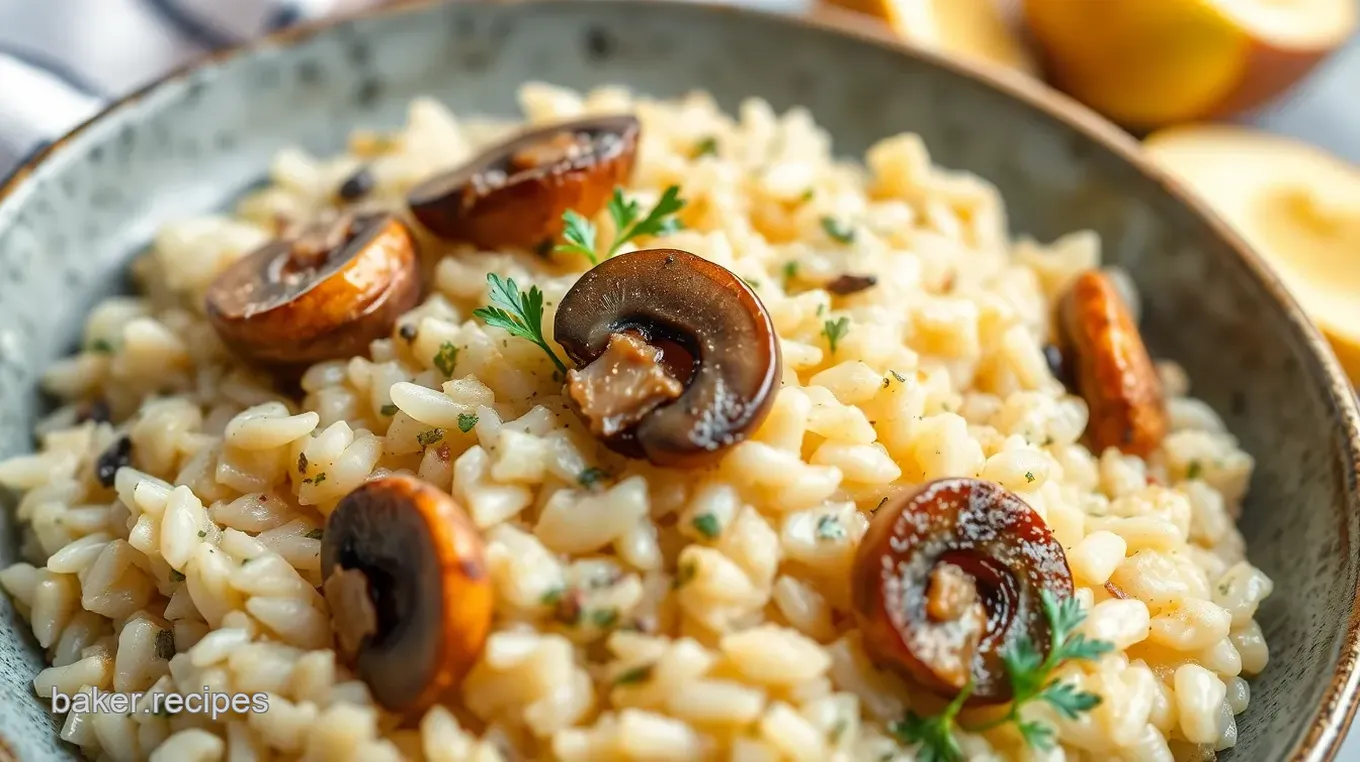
{"x":112,"y":46}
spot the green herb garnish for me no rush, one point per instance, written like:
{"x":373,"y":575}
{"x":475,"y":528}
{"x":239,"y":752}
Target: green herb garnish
{"x":102,"y":346}
{"x":446,"y":358}
{"x":707,"y":525}
{"x":520,"y":314}
{"x":706,"y":147}
{"x":429,"y":437}
{"x":1029,"y":477}
{"x":580,"y":232}
{"x":466,"y":421}
{"x":838,"y":230}
{"x":1031,"y":679}
{"x":635,"y":675}
{"x":315,"y":534}
{"x":834,"y":331}
{"x":552,"y":597}
{"x":829,"y":528}
{"x":388,"y":409}
{"x":684,"y":574}
{"x":591,"y":476}
{"x":1194,"y":470}
{"x":604,"y":618}
{"x":790,"y":272}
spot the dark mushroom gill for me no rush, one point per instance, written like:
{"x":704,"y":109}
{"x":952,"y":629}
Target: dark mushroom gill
{"x":692,"y":309}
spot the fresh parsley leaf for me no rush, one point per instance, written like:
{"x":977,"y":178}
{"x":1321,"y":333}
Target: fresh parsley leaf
{"x":1036,"y":735}
{"x":389,"y":410}
{"x":838,"y":230}
{"x":446,"y":358}
{"x":519,"y":314}
{"x":466,"y":421}
{"x":1068,"y":700}
{"x":1023,"y":663}
{"x":579,"y":234}
{"x":660,"y":221}
{"x":591,"y":476}
{"x":834,"y":331}
{"x":429,"y":437}
{"x":829,"y":528}
{"x":707,"y":525}
{"x":706,"y":147}
{"x":635,"y":675}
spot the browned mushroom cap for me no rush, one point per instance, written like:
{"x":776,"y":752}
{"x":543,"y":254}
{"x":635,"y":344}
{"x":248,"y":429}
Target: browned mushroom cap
{"x":679,"y":359}
{"x":1111,"y":367}
{"x":408,"y":590}
{"x":951,"y":575}
{"x":324,"y":295}
{"x":514,"y":194}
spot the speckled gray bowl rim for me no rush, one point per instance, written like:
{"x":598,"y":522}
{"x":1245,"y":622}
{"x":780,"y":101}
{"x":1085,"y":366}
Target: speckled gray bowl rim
{"x":1338,"y":705}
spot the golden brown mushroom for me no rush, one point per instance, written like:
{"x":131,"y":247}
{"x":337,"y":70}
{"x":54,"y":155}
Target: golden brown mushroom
{"x":1111,"y":368}
{"x":323,"y":295}
{"x":514,"y":194}
{"x":678,"y":359}
{"x":408,"y":589}
{"x":948,"y":577}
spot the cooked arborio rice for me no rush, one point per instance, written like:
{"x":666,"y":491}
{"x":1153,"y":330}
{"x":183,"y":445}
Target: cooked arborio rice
{"x":735,"y":647}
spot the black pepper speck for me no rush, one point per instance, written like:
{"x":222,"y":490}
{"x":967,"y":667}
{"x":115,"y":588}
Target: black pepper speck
{"x":117,"y":456}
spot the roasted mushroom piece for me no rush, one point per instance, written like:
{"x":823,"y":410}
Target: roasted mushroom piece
{"x":1110,"y":367}
{"x":324,"y":294}
{"x":678,"y":359}
{"x":948,"y":577}
{"x":408,"y":589}
{"x":514,"y":194}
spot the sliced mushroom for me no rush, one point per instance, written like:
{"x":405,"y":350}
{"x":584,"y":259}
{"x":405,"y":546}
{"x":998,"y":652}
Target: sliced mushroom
{"x":948,"y":577}
{"x":325,"y":294}
{"x":514,"y":194}
{"x":678,"y":357}
{"x":408,"y":590}
{"x":1111,"y":368}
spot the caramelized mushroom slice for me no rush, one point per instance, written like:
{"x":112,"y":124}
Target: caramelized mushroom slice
{"x":948,"y":577}
{"x":408,"y":590}
{"x":678,"y":358}
{"x":325,"y":294}
{"x":1111,"y":368}
{"x":514,"y":194}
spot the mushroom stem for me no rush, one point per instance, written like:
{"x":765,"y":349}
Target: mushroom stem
{"x":353,"y":616}
{"x":621,"y":386}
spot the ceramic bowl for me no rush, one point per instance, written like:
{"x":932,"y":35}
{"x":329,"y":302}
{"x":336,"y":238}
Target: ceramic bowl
{"x":70,"y":219}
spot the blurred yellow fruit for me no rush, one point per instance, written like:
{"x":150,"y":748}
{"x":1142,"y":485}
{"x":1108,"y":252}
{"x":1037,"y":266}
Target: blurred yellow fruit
{"x":1295,"y":204}
{"x":1147,"y":63}
{"x":972,"y":29}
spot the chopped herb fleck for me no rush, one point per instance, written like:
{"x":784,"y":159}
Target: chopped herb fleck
{"x":1194,"y":470}
{"x":316,"y":534}
{"x":102,"y":346}
{"x":684,"y":574}
{"x":429,"y":437}
{"x":552,"y":597}
{"x":604,"y":618}
{"x":807,"y":195}
{"x":302,"y":463}
{"x":466,"y":421}
{"x":389,"y":410}
{"x":790,"y":272}
{"x":706,"y":147}
{"x":1029,"y":476}
{"x":635,"y":675}
{"x":707,"y":525}
{"x":829,"y":528}
{"x":590,"y":477}
{"x":202,"y":533}
{"x":446,"y":358}
{"x":898,"y":376}
{"x":165,"y":645}
{"x":752,"y":282}
{"x":838,"y":230}
{"x":834,"y":331}
{"x":176,"y":575}
{"x":407,"y":332}
{"x":321,"y":477}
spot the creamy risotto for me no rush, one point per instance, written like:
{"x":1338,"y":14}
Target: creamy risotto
{"x":815,"y":464}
